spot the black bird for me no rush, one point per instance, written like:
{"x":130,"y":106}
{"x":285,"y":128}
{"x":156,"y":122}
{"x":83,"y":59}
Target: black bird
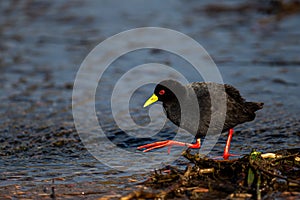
{"x":174,"y":95}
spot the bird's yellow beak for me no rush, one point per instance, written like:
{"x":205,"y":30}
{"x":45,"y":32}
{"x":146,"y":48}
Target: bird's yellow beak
{"x":151,"y":100}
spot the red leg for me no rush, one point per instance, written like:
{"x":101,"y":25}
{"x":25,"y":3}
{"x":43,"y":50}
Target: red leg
{"x":169,"y":144}
{"x":226,"y":153}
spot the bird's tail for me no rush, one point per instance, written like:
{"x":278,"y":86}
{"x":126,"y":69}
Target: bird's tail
{"x":254,"y":106}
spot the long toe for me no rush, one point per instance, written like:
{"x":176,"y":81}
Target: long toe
{"x":168,"y":143}
{"x":153,"y":145}
{"x":156,"y":147}
{"x":227,"y":155}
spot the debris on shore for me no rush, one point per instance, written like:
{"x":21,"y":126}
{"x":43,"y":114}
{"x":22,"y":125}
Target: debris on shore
{"x":253,"y":176}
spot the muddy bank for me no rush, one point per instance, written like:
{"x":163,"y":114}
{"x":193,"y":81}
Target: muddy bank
{"x":254,"y":176}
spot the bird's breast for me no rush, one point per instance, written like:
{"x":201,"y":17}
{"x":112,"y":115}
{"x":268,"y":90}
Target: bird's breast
{"x":173,"y":112}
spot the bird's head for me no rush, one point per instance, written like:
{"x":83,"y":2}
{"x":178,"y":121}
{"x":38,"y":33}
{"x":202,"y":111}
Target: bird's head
{"x":165,"y":91}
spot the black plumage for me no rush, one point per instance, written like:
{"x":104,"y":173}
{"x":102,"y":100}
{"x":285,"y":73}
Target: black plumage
{"x":238,"y":109}
{"x":201,"y":108}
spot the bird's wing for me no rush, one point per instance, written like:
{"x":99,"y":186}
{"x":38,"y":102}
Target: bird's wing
{"x":234,"y":93}
{"x":200,"y":89}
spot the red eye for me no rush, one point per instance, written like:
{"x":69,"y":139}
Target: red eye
{"x":162,"y":92}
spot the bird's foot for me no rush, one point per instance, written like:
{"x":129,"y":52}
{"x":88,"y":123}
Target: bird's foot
{"x":169,"y":144}
{"x":227,"y":155}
